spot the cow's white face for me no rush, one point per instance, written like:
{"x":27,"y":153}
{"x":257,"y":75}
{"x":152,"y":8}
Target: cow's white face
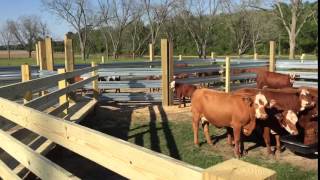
{"x":172,"y":84}
{"x":260,"y":103}
{"x":291,"y":120}
{"x":305,"y":99}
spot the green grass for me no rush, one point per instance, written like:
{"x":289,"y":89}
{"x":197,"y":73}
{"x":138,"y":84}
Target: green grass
{"x":176,"y":139}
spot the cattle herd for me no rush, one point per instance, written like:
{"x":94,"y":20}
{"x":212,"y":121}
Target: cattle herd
{"x":274,"y":107}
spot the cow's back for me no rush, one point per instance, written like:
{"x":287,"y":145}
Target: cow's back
{"x":272,"y":80}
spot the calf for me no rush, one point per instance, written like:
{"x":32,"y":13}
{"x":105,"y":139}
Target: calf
{"x":274,"y":80}
{"x":114,"y":78}
{"x":226,"y":110}
{"x":288,"y":104}
{"x":182,"y":91}
{"x":153,"y":78}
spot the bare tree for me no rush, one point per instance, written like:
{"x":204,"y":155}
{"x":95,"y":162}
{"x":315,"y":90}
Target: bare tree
{"x":293,"y":15}
{"x":77,"y":14}
{"x":27,"y":30}
{"x":156,"y":14}
{"x":239,"y":24}
{"x":122,"y":16}
{"x":199,"y":19}
{"x":7,"y":37}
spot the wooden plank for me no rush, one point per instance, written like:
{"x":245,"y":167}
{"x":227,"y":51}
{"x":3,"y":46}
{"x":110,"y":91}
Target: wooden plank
{"x":83,"y":112}
{"x":272,"y":57}
{"x":18,"y":89}
{"x":236,"y":169}
{"x":37,"y":54}
{"x":59,"y":109}
{"x":49,"y":54}
{"x":38,"y":164}
{"x":115,"y":154}
{"x":68,"y":54}
{"x":26,"y":76}
{"x":7,"y":173}
{"x":42,"y":55}
{"x":55,"y":94}
{"x":63,"y":84}
{"x":128,"y":84}
{"x":94,"y":82}
{"x":167,"y":71}
{"x":227,"y":75}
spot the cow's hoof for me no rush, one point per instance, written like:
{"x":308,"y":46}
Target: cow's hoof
{"x":277,"y":155}
{"x":197,"y":145}
{"x":245,"y":152}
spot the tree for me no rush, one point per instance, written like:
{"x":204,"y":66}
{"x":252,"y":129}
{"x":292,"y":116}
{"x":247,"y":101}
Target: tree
{"x":156,"y":14}
{"x":77,"y":14}
{"x":199,"y":19}
{"x":26,"y":31}
{"x":120,"y":17}
{"x":7,"y":37}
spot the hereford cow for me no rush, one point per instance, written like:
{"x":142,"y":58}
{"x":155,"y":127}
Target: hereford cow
{"x":182,"y":91}
{"x":288,"y":102}
{"x":226,"y":110}
{"x":274,"y":80}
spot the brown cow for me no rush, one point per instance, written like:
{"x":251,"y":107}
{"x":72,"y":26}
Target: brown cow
{"x":181,"y":76}
{"x":290,"y":102}
{"x":153,"y":77}
{"x":226,"y":110}
{"x":181,"y":65}
{"x":182,"y":91}
{"x":274,"y":80}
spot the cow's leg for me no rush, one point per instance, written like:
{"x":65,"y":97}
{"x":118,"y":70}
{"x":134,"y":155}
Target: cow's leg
{"x":184,"y":101}
{"x":266,"y":137}
{"x":229,"y":136}
{"x":278,"y":146}
{"x":236,"y":135}
{"x":206,"y":133}
{"x":195,"y":127}
{"x":180,"y":97}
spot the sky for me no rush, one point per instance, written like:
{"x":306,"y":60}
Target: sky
{"x":13,"y":9}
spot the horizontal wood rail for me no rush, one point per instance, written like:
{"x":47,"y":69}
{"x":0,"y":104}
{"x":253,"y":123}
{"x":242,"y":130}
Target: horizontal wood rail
{"x":18,"y":89}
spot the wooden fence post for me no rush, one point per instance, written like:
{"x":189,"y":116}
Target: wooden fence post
{"x":180,"y":57}
{"x":42,"y":55}
{"x":151,"y":52}
{"x":167,"y":71}
{"x":227,"y":77}
{"x":212,"y":55}
{"x":272,"y":59}
{"x":49,"y":54}
{"x":62,"y":84}
{"x":237,"y":169}
{"x":255,"y":56}
{"x":26,"y":76}
{"x":37,"y":53}
{"x":102,"y":59}
{"x":68,"y":54}
{"x":94,"y":82}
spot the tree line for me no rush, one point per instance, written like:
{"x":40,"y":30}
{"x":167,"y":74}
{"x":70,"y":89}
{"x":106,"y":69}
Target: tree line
{"x":127,"y":27}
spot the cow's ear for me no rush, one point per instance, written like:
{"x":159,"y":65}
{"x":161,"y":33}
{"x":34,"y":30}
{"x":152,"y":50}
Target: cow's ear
{"x":248,"y":100}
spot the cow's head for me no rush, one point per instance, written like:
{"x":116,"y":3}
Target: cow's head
{"x":288,"y":120}
{"x":172,"y":84}
{"x":260,"y":103}
{"x":292,"y":77}
{"x":306,"y":99}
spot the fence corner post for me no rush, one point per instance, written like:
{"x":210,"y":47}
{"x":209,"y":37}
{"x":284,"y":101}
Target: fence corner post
{"x":272,"y":59}
{"x":180,"y":57}
{"x":26,"y":76}
{"x":42,"y":55}
{"x":37,"y":53}
{"x":49,"y":53}
{"x":255,"y":56}
{"x":212,"y":55}
{"x":68,"y":54}
{"x":227,"y":75}
{"x":102,"y":59}
{"x":94,"y":82}
{"x":63,"y":84}
{"x":167,"y":71}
